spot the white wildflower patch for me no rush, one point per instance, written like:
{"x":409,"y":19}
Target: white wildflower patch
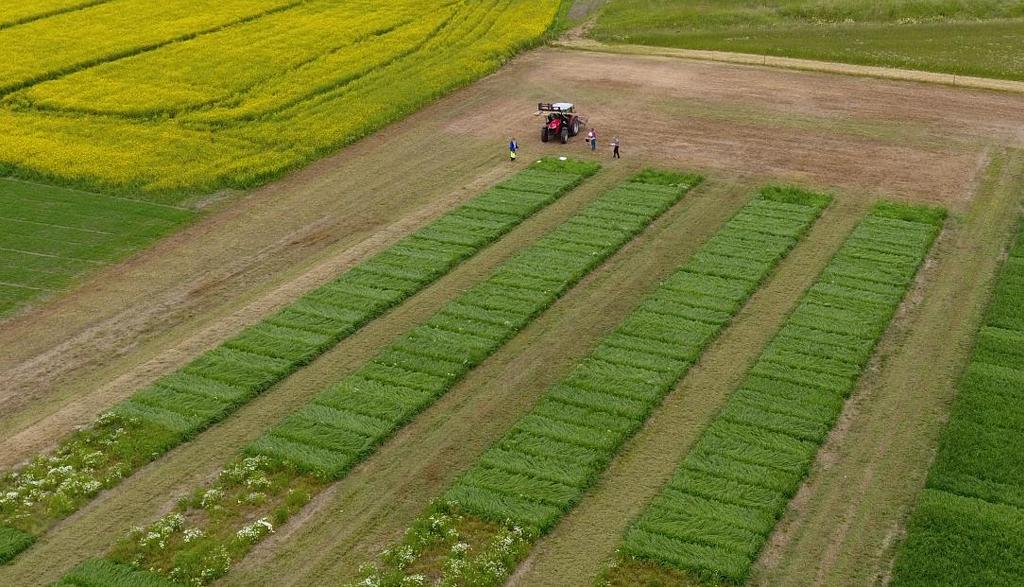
{"x":254,"y":532}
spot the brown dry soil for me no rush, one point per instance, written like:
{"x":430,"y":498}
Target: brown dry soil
{"x":68,"y":360}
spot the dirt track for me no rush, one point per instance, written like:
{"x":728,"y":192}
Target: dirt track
{"x":65,"y":362}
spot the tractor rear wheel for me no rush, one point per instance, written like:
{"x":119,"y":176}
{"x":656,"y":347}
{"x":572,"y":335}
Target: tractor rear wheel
{"x":575,"y":126}
{"x":565,"y":135}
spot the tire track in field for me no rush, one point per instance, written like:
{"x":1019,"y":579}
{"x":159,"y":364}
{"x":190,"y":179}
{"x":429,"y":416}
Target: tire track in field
{"x":52,"y":13}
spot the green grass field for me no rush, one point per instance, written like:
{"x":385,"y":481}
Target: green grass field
{"x":49,"y":236}
{"x":966,"y":37}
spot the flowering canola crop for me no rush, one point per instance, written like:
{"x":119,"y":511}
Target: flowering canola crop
{"x":195,"y":95}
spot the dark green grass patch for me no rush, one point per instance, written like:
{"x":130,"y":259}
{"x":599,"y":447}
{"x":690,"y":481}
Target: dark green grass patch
{"x":12,"y":542}
{"x":51,"y":236}
{"x":103,"y":573}
{"x":957,"y":540}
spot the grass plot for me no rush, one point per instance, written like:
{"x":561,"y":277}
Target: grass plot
{"x":50,"y":236}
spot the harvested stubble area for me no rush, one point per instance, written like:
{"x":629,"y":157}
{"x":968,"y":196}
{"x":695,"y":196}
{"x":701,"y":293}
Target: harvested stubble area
{"x":717,"y":512}
{"x":320,"y":442}
{"x":968,"y":525}
{"x":182,"y":404}
{"x":484,"y":525}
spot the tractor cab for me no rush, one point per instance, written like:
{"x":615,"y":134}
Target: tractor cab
{"x":560,"y":121}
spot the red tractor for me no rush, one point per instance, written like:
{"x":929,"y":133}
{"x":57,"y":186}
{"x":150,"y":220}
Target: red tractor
{"x":561,"y":121}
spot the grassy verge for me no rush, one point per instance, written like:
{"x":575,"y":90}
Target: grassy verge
{"x":487,"y":522}
{"x":344,"y":424}
{"x":712,"y":519}
{"x":967,"y":38}
{"x":182,"y":404}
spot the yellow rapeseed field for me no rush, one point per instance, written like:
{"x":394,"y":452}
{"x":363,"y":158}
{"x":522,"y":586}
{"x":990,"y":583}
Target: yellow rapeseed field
{"x":190,"y":96}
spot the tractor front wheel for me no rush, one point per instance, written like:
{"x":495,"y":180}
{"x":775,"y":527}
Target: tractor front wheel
{"x":544,"y":135}
{"x":565,"y":135}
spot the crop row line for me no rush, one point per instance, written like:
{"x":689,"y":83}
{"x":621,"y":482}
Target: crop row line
{"x":180,"y":405}
{"x":41,"y":13}
{"x":718,"y":510}
{"x":542,"y":466}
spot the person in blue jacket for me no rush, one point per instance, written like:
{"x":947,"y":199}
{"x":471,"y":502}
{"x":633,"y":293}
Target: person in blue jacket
{"x":513,"y":149}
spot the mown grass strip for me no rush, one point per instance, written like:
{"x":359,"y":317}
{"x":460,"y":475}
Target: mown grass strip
{"x":280,"y":471}
{"x":541,"y":468}
{"x":714,"y":516}
{"x":968,"y":525}
{"x":180,"y":405}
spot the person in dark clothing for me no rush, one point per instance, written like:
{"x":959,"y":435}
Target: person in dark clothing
{"x":513,"y":149}
{"x":615,"y":148}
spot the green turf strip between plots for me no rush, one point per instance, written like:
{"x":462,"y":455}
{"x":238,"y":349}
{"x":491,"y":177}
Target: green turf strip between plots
{"x":968,"y":524}
{"x":714,"y":516}
{"x":347,"y":421}
{"x":183,"y":403}
{"x":50,"y":236}
{"x":541,"y":468}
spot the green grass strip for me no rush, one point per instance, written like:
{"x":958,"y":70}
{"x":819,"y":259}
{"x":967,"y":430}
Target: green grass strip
{"x":102,"y":573}
{"x":180,"y":405}
{"x":345,"y":423}
{"x":543,"y":465}
{"x":716,"y":513}
{"x":968,"y":525}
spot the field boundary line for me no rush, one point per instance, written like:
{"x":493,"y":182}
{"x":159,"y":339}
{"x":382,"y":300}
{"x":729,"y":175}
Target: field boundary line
{"x":891,"y":73}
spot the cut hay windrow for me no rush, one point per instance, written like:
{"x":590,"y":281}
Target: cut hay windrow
{"x":180,"y":405}
{"x":714,"y":516}
{"x":968,"y":525}
{"x":320,"y":442}
{"x":541,"y":468}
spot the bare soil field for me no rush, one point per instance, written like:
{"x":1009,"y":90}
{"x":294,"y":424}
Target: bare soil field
{"x":66,"y":361}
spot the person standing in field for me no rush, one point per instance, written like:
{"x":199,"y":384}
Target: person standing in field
{"x":513,"y":149}
{"x":592,"y":139}
{"x":615,"y":148}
